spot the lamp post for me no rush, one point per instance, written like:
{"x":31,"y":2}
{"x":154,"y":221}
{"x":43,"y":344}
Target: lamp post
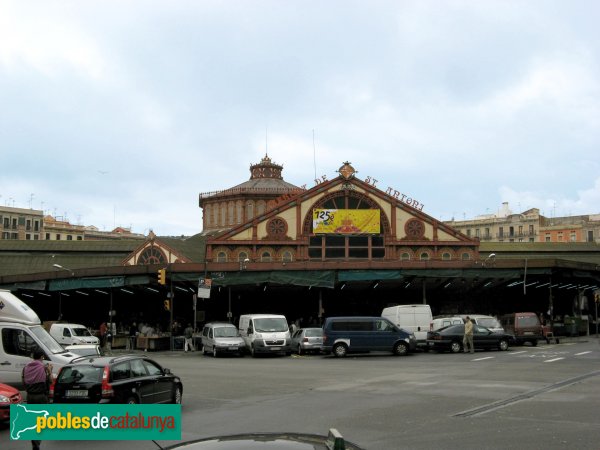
{"x":59,"y":267}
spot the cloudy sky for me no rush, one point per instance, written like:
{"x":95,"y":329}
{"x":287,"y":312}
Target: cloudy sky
{"x":119,"y":113}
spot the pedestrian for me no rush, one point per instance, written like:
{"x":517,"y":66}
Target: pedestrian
{"x":133,"y":331}
{"x":37,"y":377}
{"x":468,"y":338}
{"x":188,"y":334}
{"x":103,"y":332}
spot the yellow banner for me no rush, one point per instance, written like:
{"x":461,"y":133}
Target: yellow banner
{"x":346,"y":221}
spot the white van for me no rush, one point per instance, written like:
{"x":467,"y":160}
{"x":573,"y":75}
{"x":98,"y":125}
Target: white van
{"x":265,"y":333}
{"x":444,"y":321}
{"x":412,"y":318}
{"x":72,"y":334}
{"x":485,"y":321}
{"x":21,"y":333}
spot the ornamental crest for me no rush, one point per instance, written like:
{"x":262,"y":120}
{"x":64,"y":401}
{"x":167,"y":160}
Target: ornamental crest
{"x":347,"y":171}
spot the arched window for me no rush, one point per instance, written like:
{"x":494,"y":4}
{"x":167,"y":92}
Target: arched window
{"x":208,"y":212}
{"x":223,"y":208}
{"x":260,"y":207}
{"x":265,"y":257}
{"x":242,"y":256}
{"x":249,"y":210}
{"x":424,"y":256}
{"x":222,"y":257}
{"x":238,"y":212}
{"x":465,"y":256}
{"x":405,"y":256}
{"x":230,"y":216}
{"x":446,"y":256}
{"x":287,"y":256}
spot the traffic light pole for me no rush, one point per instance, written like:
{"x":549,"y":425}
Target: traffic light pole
{"x":172,"y":306}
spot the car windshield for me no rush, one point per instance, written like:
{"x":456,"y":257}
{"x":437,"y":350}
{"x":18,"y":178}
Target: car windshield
{"x":80,"y":374}
{"x":81,"y":332}
{"x":489,"y":322}
{"x":226,"y":332}
{"x":271,"y":324}
{"x":314,"y":332}
{"x":47,"y":340}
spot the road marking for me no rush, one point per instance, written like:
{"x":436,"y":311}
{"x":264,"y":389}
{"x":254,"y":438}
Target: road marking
{"x":555,"y":359}
{"x":481,"y":359}
{"x":583,"y":353}
{"x":484,"y":409}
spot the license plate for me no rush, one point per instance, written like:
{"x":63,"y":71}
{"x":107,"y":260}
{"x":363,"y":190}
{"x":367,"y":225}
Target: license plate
{"x":233,"y":348}
{"x":76,"y":393}
{"x":528,"y":332}
{"x":275,"y":349}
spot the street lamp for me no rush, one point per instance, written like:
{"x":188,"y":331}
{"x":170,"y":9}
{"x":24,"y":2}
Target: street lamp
{"x":59,"y":267}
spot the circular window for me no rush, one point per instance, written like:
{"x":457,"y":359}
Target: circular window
{"x":277,"y":228}
{"x":414,"y":228}
{"x":152,"y":255}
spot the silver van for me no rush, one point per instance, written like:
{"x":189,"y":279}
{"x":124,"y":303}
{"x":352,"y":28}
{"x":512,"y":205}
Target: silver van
{"x":220,"y":338}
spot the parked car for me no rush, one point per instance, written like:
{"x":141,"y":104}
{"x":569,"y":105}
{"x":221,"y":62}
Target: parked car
{"x":8,"y":396}
{"x":120,"y":379}
{"x":306,"y":340}
{"x":85,"y":350}
{"x":343,"y":335}
{"x":526,"y":327}
{"x":451,"y":339}
{"x":222,"y":337}
{"x":414,"y":319}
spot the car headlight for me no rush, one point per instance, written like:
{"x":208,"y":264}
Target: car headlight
{"x":4,"y":399}
{"x":258,"y":335}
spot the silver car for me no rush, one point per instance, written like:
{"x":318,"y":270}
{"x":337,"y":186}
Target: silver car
{"x":306,"y":340}
{"x":220,"y":338}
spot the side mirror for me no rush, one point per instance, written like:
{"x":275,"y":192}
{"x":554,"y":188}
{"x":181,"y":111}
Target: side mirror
{"x":166,"y":371}
{"x":249,"y":330}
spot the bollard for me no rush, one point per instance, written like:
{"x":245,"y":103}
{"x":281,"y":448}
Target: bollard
{"x":335,"y":441}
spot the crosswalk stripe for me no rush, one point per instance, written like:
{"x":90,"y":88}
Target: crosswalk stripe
{"x":555,"y":359}
{"x":583,"y":353}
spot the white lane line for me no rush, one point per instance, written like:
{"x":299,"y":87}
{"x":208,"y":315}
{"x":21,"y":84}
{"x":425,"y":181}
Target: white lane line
{"x":583,"y":353}
{"x":555,"y":359}
{"x":518,"y":353}
{"x":481,"y":359}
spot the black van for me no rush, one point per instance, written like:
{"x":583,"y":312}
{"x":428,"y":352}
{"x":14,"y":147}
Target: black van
{"x":342,"y":335}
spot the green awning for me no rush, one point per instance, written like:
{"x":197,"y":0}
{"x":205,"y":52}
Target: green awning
{"x":369,"y":275}
{"x":83,"y":283}
{"x":324,"y":278}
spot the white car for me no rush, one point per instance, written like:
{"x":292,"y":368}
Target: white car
{"x":71,"y":334}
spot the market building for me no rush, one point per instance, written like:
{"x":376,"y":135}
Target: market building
{"x":343,"y":246}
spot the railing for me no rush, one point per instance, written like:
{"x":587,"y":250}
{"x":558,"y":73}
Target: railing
{"x":233,"y":191}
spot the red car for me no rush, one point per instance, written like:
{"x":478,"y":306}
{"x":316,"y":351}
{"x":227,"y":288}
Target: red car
{"x":8,"y":395}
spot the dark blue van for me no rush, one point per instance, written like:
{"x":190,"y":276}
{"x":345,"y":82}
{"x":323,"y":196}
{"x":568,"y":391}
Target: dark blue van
{"x":342,"y":335}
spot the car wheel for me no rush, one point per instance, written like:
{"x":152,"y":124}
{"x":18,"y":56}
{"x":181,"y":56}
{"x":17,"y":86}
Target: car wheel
{"x":252,"y":352}
{"x":203,"y":350}
{"x":214,"y":352}
{"x":177,"y":396}
{"x":503,"y":345}
{"x":455,"y":347}
{"x":400,"y":349}
{"x":132,"y":401}
{"x":534,"y":343}
{"x":340,"y":350}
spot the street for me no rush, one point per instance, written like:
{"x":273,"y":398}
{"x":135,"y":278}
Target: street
{"x":528,"y":397}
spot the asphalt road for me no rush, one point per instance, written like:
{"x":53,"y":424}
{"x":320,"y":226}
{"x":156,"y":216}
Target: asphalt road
{"x":529,"y":397}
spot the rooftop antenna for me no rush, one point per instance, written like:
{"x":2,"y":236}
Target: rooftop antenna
{"x":314,"y":154}
{"x":266,"y":140}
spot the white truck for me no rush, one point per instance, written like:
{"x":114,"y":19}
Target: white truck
{"x":21,"y":333}
{"x":265,"y":333}
{"x":412,"y":318}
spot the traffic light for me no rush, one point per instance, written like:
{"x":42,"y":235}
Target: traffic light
{"x":162,"y":276}
{"x":167,"y":304}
